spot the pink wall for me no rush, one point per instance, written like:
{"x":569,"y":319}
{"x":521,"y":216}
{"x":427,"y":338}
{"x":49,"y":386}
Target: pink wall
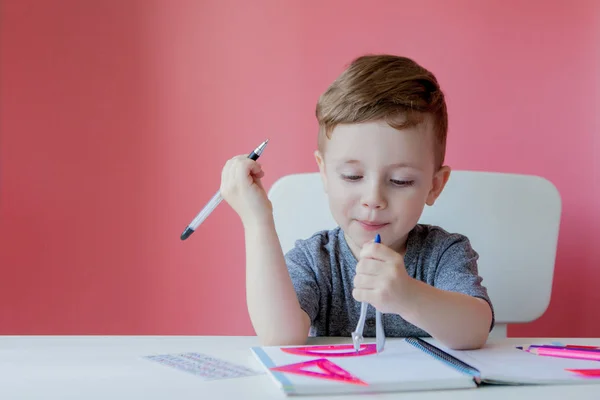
{"x":118,"y":115}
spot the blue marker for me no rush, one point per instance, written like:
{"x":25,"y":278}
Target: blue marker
{"x":377,"y":238}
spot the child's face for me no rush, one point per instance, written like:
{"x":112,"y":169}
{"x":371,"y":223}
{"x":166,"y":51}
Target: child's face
{"x":378,"y":180}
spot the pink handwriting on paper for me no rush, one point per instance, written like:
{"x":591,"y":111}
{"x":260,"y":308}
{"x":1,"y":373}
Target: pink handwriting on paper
{"x":338,"y":350}
{"x":330,"y":370}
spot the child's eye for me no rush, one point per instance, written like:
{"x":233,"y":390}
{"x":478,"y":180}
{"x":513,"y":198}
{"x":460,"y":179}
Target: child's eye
{"x":351,"y":177}
{"x":402,"y":182}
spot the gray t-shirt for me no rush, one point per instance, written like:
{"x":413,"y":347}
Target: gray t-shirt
{"x":322,"y":270}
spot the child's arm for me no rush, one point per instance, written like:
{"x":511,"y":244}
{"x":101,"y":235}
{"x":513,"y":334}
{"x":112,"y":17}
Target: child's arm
{"x":272,"y":301}
{"x":458,"y":320}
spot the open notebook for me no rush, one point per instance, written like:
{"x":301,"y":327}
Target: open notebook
{"x":411,"y":364}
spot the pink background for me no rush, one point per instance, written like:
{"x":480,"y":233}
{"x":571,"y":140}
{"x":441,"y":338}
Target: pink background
{"x":117,"y":117}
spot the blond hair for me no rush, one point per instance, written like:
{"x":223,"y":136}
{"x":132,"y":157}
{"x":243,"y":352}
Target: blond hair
{"x":384,"y":87}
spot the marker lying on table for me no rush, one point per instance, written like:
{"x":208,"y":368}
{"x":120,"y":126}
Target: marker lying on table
{"x":566,"y":353}
{"x":216,"y":199}
{"x":560,"y":348}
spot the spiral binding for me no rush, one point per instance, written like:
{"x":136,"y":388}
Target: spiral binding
{"x":443,"y":356}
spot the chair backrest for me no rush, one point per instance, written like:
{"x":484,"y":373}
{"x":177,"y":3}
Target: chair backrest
{"x":511,"y":220}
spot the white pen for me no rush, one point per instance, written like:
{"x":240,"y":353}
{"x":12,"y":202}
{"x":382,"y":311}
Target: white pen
{"x":216,"y":199}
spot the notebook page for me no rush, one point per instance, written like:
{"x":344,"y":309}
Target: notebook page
{"x":402,"y":362}
{"x":399,"y":367}
{"x":507,"y":364}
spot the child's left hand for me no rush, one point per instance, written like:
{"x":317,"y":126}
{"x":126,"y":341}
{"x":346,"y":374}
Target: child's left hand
{"x":381,"y":279}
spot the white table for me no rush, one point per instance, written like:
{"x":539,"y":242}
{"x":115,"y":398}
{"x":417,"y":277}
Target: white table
{"x":112,"y":367}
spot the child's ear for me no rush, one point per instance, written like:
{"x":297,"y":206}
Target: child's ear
{"x":321,"y":164}
{"x":439,"y":181}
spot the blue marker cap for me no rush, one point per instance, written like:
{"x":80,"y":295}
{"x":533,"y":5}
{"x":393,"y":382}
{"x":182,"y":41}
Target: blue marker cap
{"x":377,"y":238}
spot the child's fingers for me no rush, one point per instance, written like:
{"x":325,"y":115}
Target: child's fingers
{"x":362,"y":281}
{"x":258,"y":182}
{"x":368,"y":266}
{"x":255,"y":166}
{"x":230,"y":171}
{"x":245,"y":170}
{"x":228,"y":174}
{"x":248,"y":166}
{"x":257,"y":171}
{"x":240,"y":173}
{"x":378,"y":251}
{"x":360,"y":294}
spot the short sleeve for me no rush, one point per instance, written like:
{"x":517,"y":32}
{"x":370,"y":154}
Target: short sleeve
{"x":304,"y":280}
{"x":457,"y":270}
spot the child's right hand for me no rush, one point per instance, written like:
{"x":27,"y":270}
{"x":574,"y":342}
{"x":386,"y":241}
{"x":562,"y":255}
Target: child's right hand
{"x":242,"y":189}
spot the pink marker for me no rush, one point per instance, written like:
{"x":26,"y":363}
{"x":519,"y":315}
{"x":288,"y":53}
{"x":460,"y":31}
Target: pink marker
{"x":567,"y":353}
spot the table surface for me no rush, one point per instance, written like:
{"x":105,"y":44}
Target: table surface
{"x":113,"y":367}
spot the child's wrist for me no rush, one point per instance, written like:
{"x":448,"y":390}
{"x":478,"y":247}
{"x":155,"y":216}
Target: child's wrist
{"x":407,"y":306}
{"x":258,"y":221}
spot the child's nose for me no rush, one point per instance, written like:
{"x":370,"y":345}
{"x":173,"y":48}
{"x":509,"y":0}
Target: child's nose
{"x":374,"y":199}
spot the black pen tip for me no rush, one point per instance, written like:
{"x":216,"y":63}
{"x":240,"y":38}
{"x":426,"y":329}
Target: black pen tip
{"x":186,"y":233}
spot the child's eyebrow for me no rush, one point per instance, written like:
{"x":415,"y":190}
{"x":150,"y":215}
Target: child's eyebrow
{"x":404,"y":165}
{"x":395,"y":165}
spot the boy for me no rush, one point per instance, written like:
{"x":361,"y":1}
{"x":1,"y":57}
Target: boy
{"x":380,"y":154}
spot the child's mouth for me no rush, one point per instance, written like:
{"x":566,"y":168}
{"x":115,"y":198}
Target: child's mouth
{"x":371,"y":226}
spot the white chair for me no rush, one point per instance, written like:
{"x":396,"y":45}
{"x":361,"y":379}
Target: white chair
{"x":511,"y":220}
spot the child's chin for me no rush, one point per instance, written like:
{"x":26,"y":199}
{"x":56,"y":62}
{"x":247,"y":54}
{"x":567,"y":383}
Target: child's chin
{"x":364,"y":238}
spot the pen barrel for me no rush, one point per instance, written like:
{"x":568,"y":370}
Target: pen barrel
{"x":205,"y":212}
